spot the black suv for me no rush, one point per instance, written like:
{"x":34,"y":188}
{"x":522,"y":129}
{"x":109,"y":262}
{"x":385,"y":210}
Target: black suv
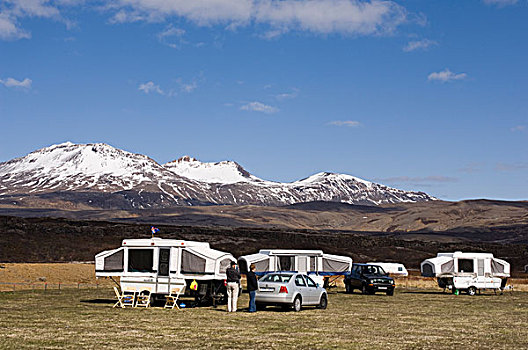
{"x":369,"y":279}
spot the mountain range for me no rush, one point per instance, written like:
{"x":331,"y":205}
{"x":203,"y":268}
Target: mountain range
{"x":97,"y":175}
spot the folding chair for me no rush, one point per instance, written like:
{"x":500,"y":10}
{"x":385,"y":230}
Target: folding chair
{"x":172,"y":298}
{"x":125,"y":298}
{"x":143,"y":299}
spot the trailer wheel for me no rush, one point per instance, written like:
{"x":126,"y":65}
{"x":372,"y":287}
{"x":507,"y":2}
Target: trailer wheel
{"x":348,"y":288}
{"x":297,"y":304}
{"x":472,"y":291}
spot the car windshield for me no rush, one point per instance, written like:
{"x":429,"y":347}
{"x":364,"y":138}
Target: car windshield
{"x":276,"y":277}
{"x":373,"y":270}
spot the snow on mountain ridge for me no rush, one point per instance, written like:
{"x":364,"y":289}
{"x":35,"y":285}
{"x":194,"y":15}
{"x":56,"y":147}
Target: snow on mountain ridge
{"x":69,"y":166}
{"x":224,"y":172}
{"x":98,"y":167}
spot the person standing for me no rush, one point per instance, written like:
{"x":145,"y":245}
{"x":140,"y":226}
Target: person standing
{"x":252,"y":287}
{"x":233,"y":285}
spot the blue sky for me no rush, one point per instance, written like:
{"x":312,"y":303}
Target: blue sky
{"x":419,"y":95}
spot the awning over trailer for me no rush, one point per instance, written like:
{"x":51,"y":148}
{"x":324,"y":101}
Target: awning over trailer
{"x":436,"y":266}
{"x":335,"y":264}
{"x":261,"y":262}
{"x":202,"y":260}
{"x":109,"y":262}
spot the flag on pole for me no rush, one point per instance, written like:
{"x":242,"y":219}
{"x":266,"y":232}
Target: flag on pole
{"x":153,"y":230}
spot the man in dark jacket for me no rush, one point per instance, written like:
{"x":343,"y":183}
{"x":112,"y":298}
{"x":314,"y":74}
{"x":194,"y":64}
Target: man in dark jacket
{"x":233,"y":285}
{"x":252,"y":287}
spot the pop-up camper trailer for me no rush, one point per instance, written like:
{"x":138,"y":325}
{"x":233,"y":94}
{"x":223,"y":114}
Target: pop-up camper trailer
{"x":395,"y":269}
{"x":155,"y":264}
{"x":313,"y":262}
{"x":467,"y":271}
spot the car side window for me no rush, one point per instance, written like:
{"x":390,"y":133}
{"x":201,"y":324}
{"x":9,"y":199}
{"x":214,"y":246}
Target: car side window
{"x":299,"y":281}
{"x":310,"y":282}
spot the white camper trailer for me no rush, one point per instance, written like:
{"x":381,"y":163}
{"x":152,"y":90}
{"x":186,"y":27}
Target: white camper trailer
{"x":467,"y":271}
{"x":395,"y":269}
{"x":154,"y":264}
{"x":313,"y":262}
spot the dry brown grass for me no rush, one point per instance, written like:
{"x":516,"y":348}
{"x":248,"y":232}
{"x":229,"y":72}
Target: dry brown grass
{"x":408,"y":320}
{"x":71,"y":274}
{"x":35,"y":276}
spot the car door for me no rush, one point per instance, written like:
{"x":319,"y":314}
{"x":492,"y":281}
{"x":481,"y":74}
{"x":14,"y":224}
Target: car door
{"x":355,"y":279}
{"x":301,"y":286}
{"x":312,"y":289}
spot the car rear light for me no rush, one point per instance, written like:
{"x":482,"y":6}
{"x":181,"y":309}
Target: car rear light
{"x":225,"y":283}
{"x":370,"y":284}
{"x":283,"y":289}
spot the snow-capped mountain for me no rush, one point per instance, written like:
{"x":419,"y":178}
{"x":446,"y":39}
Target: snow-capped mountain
{"x":98,"y":167}
{"x":225,"y":172}
{"x":101,"y":175}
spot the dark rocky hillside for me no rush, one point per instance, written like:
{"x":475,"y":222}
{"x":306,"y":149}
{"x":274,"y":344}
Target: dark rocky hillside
{"x":61,"y":240}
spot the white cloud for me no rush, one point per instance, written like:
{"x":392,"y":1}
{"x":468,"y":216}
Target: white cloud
{"x":259,"y":107}
{"x":192,"y":85}
{"x":9,"y":29}
{"x":188,"y":87}
{"x":172,"y":37}
{"x":288,"y":95}
{"x":12,"y":11}
{"x":446,"y":76}
{"x":418,"y":180}
{"x":347,"y":123}
{"x":511,"y":166}
{"x":472,"y":167}
{"x":347,"y":17}
{"x":423,"y":44}
{"x":518,"y":128}
{"x":150,"y":87}
{"x":13,"y":83}
{"x":271,"y":17}
{"x":500,"y":3}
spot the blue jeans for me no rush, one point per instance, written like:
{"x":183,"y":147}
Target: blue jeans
{"x":252,"y":305}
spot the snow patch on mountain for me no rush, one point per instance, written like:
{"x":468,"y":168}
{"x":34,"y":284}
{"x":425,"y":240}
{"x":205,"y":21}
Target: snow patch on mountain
{"x":98,"y":167}
{"x":225,"y":172}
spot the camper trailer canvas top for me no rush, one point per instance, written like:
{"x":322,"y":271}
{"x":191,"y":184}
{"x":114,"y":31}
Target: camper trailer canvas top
{"x":459,"y":263}
{"x":467,"y":271}
{"x":154,"y":264}
{"x":302,"y":261}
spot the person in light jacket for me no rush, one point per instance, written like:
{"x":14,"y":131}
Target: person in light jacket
{"x":233,"y":285}
{"x":252,"y":287}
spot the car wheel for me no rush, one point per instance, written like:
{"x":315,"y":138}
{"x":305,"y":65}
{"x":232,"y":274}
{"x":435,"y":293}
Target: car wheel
{"x":364,"y":289}
{"x":297,"y":304}
{"x":472,"y":291}
{"x":348,"y":289}
{"x":260,"y":306}
{"x":323,"y":303}
{"x":390,"y":292}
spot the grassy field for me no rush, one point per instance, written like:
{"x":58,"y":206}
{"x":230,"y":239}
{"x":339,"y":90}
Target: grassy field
{"x":419,"y":319}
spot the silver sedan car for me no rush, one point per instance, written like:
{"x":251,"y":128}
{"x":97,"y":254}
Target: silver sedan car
{"x":290,"y":290}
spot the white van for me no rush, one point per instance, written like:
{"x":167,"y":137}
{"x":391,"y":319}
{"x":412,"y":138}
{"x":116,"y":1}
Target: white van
{"x":395,"y":269}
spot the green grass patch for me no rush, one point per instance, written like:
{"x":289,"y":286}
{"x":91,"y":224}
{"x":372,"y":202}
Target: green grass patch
{"x":408,"y":320}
